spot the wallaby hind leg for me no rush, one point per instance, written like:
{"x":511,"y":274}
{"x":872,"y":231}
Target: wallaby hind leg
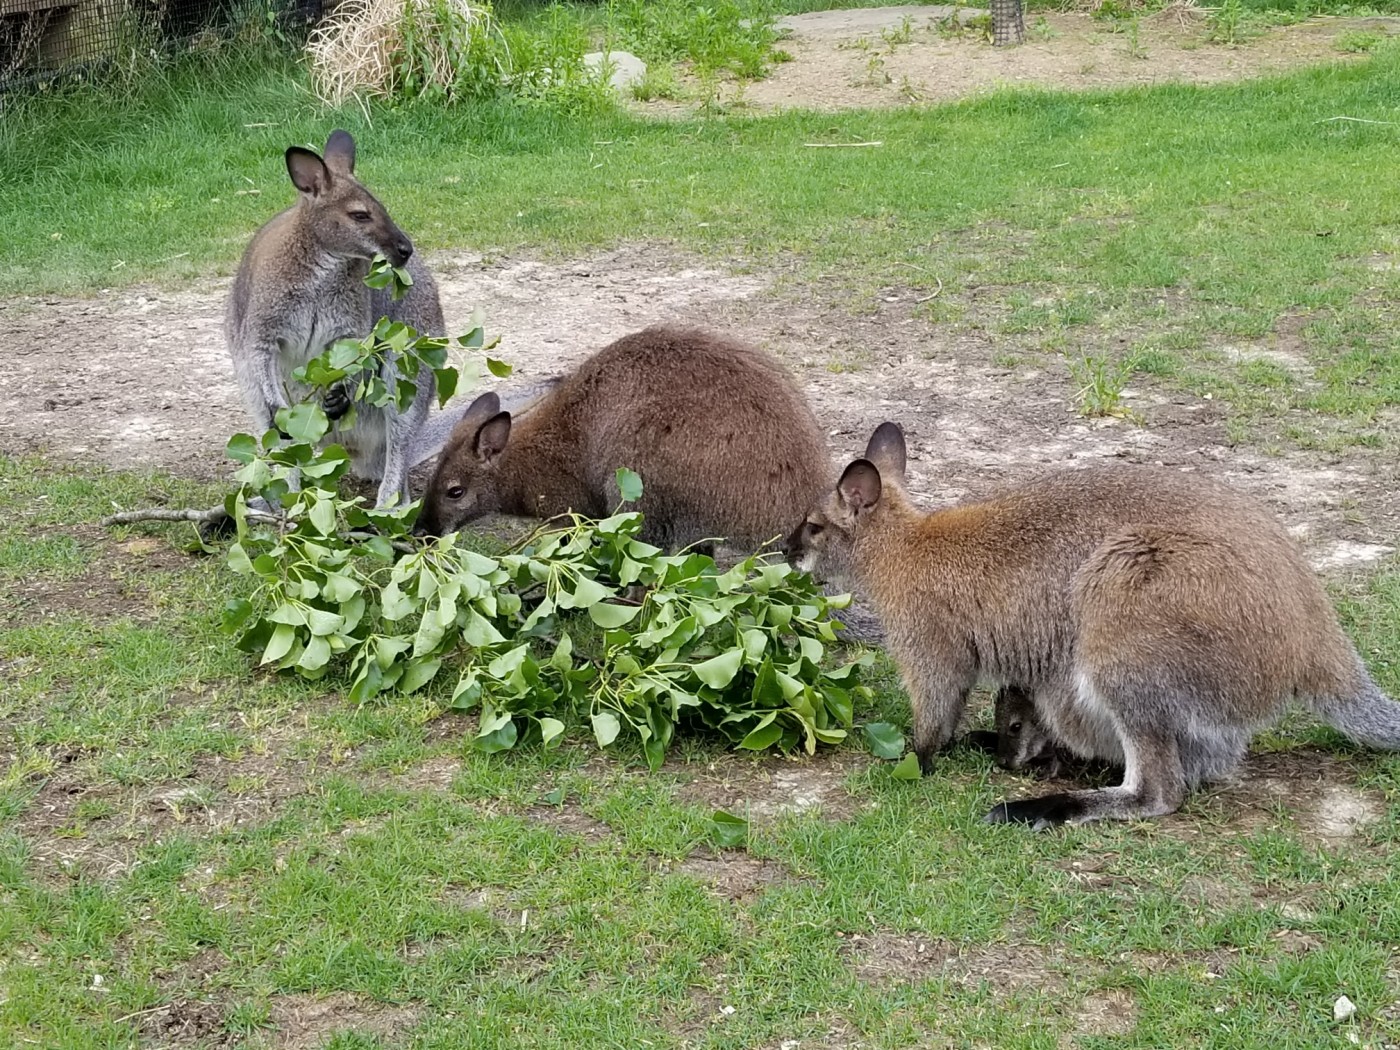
{"x":1153,"y":786}
{"x":1154,"y":775}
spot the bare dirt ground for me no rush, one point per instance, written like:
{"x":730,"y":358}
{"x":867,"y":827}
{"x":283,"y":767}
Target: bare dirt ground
{"x":891,"y":56}
{"x":973,"y":424}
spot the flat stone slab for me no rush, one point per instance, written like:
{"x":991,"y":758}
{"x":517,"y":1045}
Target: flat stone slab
{"x":872,"y":19}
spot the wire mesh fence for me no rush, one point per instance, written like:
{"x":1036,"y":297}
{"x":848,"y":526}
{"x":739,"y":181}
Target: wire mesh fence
{"x":42,"y":40}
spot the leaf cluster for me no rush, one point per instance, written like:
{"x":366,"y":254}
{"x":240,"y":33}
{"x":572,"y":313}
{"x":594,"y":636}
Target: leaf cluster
{"x":582,"y":624}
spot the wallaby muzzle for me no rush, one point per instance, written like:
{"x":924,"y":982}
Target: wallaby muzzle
{"x":400,"y":248}
{"x":791,"y":547}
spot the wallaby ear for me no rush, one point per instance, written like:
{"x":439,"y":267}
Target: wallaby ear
{"x":309,"y":173}
{"x":885,"y":449}
{"x":470,"y":421}
{"x":340,"y":152}
{"x":483,"y":408}
{"x":492,"y":437}
{"x":860,"y":486}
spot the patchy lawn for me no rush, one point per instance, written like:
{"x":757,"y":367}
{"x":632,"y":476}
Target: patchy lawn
{"x":194,"y":854}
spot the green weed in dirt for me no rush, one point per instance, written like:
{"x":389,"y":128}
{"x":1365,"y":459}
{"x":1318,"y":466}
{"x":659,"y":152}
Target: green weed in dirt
{"x":722,"y":35}
{"x":1359,"y":41}
{"x":1100,"y":381}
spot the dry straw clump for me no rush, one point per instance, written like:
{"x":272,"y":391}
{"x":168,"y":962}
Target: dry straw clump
{"x":387,"y":47}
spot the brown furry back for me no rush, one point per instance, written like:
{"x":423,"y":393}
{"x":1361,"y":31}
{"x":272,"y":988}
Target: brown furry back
{"x":724,"y":441}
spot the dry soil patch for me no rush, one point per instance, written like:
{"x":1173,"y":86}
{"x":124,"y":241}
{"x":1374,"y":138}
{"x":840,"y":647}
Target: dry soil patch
{"x":868,"y":58}
{"x":735,"y":875}
{"x":570,"y":820}
{"x":302,"y":1022}
{"x":972,"y":422}
{"x":883,"y":957}
{"x":770,"y":787}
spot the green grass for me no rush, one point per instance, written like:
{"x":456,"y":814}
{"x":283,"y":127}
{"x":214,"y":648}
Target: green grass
{"x":222,"y":847}
{"x":1238,"y":197}
{"x":1111,"y":194}
{"x":1060,"y":219}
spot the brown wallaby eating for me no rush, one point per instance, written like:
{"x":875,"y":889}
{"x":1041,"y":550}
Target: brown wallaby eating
{"x":724,"y":441}
{"x":1158,"y":619}
{"x":300,"y":287}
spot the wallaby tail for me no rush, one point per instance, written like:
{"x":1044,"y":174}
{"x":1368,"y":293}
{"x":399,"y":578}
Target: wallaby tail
{"x":1366,"y":715}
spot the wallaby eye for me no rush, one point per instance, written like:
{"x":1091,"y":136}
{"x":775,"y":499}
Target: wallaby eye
{"x":359,"y":215}
{"x":815,"y":529}
{"x":1014,"y":727}
{"x":456,"y":492}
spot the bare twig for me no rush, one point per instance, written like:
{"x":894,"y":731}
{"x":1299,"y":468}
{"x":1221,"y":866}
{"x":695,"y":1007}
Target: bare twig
{"x":1357,"y":120}
{"x":218,"y":514}
{"x":215,"y":513}
{"x":143,"y":1013}
{"x":839,"y":145}
{"x":933,"y":294}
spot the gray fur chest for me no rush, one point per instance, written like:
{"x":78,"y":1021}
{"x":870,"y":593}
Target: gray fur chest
{"x":339,"y":310}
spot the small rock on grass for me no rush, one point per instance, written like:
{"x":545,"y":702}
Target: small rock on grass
{"x":624,"y":68}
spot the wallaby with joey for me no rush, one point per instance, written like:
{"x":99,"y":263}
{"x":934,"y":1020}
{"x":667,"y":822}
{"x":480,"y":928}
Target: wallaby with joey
{"x":1158,"y":619}
{"x":725,"y":443}
{"x":300,"y":287}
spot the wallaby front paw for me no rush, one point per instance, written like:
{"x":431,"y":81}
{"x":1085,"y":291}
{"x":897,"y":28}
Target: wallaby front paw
{"x":336,"y":401}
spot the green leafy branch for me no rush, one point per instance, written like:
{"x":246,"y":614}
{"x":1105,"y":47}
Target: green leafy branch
{"x":358,"y":363}
{"x":582,"y":624}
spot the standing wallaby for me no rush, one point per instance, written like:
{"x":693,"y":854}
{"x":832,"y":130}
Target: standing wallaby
{"x":300,"y":287}
{"x":1157,"y":618}
{"x":725,"y":444}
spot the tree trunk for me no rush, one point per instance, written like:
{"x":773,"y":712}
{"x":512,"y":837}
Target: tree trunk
{"x":1008,"y":24}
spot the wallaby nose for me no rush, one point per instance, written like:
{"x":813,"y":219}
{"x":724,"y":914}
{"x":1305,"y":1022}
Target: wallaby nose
{"x":789,"y":547}
{"x":403,"y":248}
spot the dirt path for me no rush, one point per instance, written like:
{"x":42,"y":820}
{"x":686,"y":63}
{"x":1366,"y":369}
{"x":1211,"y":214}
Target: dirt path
{"x":972,"y":423}
{"x":893,"y":56}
